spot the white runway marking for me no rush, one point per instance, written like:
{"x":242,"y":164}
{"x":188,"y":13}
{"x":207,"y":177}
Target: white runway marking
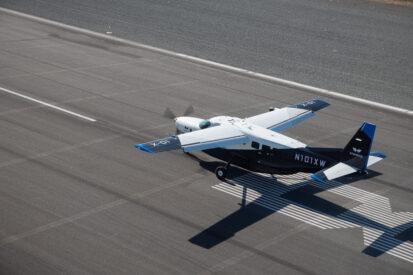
{"x":373,"y":214}
{"x":47,"y":104}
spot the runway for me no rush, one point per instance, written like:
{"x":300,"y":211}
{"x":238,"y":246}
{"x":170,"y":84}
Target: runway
{"x":356,"y":47}
{"x":76,"y":197}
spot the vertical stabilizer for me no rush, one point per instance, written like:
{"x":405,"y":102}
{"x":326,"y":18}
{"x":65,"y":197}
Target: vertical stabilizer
{"x":357,"y":151}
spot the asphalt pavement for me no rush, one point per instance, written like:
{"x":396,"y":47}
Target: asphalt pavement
{"x":356,"y":47}
{"x":76,"y":197}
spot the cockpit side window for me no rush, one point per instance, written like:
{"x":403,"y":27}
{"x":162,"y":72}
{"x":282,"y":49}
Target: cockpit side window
{"x":204,"y":124}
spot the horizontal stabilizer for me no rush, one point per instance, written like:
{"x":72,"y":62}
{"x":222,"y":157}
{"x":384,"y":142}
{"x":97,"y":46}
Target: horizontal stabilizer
{"x":336,"y":171}
{"x":342,"y":169}
{"x":375,"y":157}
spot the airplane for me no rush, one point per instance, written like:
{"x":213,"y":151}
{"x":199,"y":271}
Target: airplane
{"x":256,"y":144}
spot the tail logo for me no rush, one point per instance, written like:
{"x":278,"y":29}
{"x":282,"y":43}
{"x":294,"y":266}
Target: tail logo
{"x":356,"y":150}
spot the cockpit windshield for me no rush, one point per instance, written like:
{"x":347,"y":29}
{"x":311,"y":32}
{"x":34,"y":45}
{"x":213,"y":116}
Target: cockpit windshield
{"x":204,"y":124}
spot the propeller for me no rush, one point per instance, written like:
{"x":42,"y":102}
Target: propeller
{"x":189,"y":110}
{"x":168,"y":113}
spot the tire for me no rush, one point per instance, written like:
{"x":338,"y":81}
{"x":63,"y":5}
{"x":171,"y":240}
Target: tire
{"x":221,"y":172}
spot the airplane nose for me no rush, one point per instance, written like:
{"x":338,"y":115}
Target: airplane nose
{"x":179,"y":125}
{"x":178,"y":122}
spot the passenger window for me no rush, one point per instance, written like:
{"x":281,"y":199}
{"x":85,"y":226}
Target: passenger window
{"x":273,"y":152}
{"x":255,"y":145}
{"x":266,"y":148}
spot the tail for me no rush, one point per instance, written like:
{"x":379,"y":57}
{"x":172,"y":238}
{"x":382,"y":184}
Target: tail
{"x":357,"y":151}
{"x":355,"y":157}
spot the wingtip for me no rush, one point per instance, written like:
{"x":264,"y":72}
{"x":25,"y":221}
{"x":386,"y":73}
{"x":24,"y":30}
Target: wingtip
{"x":313,"y":105}
{"x":144,"y":148}
{"x":321,"y":104}
{"x":379,"y":154}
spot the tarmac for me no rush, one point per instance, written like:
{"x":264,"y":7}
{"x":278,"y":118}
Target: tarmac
{"x":361,"y":48}
{"x":76,"y":197}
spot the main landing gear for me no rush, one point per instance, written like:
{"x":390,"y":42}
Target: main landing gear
{"x":363,"y":172}
{"x":222,"y":171}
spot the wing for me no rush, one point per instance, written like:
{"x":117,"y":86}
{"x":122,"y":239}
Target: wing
{"x":271,"y":138}
{"x":226,"y":135}
{"x":284,"y":118}
{"x":220,"y":137}
{"x":214,"y":137}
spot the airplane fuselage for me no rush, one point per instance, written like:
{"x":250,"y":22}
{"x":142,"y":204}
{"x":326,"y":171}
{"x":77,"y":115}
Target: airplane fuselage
{"x":267,"y":157}
{"x":279,"y":161}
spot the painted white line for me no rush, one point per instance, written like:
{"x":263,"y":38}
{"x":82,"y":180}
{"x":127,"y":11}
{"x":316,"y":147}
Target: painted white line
{"x":374,"y":215}
{"x":308,"y":215}
{"x":273,"y":202}
{"x":47,"y":104}
{"x":377,"y":216}
{"x":217,"y":65}
{"x":360,"y":222}
{"x":354,"y":191}
{"x":299,"y":217}
{"x":377,"y":202}
{"x":388,"y":218}
{"x":272,"y":198}
{"x":389,"y":245}
{"x":392,"y":252}
{"x":262,"y":187}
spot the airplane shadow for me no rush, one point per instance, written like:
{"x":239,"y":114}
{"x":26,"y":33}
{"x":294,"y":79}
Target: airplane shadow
{"x":303,"y":196}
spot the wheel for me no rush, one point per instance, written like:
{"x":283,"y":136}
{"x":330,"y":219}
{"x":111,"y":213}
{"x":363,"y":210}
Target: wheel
{"x":364,"y":172}
{"x":221,"y":172}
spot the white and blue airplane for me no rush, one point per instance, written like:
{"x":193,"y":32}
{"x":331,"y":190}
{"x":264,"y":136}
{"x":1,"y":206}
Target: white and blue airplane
{"x":256,"y":144}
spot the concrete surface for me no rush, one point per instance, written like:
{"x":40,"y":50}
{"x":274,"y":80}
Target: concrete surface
{"x":76,"y":197}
